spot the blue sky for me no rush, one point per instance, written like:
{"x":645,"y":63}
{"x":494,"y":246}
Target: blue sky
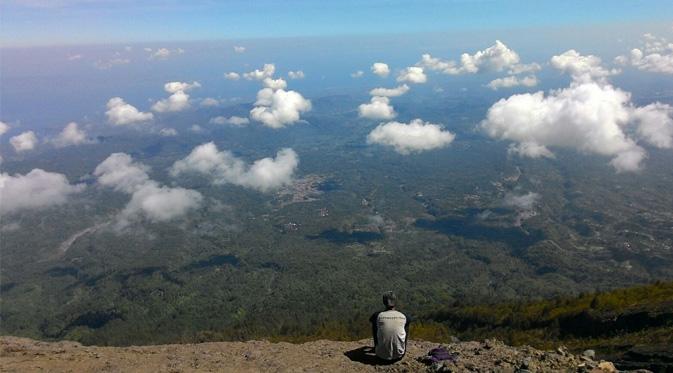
{"x":56,"y":22}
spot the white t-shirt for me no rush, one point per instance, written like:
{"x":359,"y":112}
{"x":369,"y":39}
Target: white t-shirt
{"x":391,"y":335}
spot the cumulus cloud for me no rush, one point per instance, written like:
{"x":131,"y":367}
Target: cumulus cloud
{"x":70,"y":135}
{"x":24,"y":142}
{"x":436,"y":64}
{"x":34,"y":190}
{"x":175,"y":87}
{"x":148,"y":198}
{"x":120,"y":113}
{"x":513,"y":81}
{"x":4,"y":127}
{"x":163,"y":53}
{"x":232,"y":76}
{"x":278,"y":108}
{"x":590,"y":117}
{"x":653,"y":62}
{"x":222,"y":167}
{"x":413,"y":74}
{"x":655,"y":55}
{"x":357,"y":74}
{"x":655,"y":124}
{"x":522,"y":202}
{"x":582,"y":68}
{"x":239,"y":49}
{"x":377,"y":108}
{"x":168,"y":132}
{"x":494,"y":58}
{"x":178,"y":100}
{"x":296,"y":74}
{"x":274,"y":84}
{"x":233,"y":120}
{"x":209,"y":102}
{"x":415,"y":136}
{"x":267,"y":71}
{"x":381,"y":69}
{"x":390,"y":92}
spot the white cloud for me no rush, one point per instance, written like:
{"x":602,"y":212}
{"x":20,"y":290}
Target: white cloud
{"x":232,"y":76}
{"x":381,"y":69}
{"x":655,"y":124}
{"x":70,"y":135}
{"x":148,"y":199}
{"x":74,"y":57}
{"x":530,"y":150}
{"x":653,"y":62}
{"x":494,"y":58}
{"x":267,"y":72}
{"x":522,"y":202}
{"x":296,"y":74}
{"x":239,"y":49}
{"x":178,"y":100}
{"x":233,"y":120}
{"x":274,"y":84}
{"x":524,"y":68}
{"x":4,"y":127}
{"x":163,"y":53}
{"x":513,"y":81}
{"x":34,"y":190}
{"x":175,"y":87}
{"x":378,"y":108}
{"x":656,"y":55}
{"x":415,"y":136}
{"x":435,"y":64}
{"x":589,"y":117}
{"x":120,"y":113}
{"x":118,"y":171}
{"x":582,"y":68}
{"x":357,"y":74}
{"x":278,"y":108}
{"x":24,"y":142}
{"x":223,"y":168}
{"x":412,"y":74}
{"x":209,"y":102}
{"x":390,"y":92}
{"x":168,"y":132}
{"x":196,"y":128}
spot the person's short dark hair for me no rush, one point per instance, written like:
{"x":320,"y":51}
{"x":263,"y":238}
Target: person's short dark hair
{"x":389,"y":299}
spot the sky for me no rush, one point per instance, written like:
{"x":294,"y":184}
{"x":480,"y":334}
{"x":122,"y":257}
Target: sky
{"x":58,"y":22}
{"x":594,"y":77}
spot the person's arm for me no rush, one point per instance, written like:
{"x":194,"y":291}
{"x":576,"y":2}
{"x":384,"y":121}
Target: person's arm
{"x":375,"y":327}
{"x":406,"y":330}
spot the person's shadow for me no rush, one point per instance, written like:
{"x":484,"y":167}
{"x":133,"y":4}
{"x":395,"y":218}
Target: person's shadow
{"x":366,"y":355}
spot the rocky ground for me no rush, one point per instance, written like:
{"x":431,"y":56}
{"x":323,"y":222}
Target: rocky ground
{"x":27,"y":355}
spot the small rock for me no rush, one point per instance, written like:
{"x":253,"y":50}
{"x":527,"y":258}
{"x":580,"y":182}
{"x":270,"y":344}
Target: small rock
{"x":454,"y":339}
{"x":607,"y":366}
{"x":525,"y":364}
{"x":591,"y":354}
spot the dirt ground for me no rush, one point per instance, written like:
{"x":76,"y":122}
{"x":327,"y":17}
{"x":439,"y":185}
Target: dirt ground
{"x":26,"y":355}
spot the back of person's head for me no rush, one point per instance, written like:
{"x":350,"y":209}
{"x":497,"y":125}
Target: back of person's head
{"x":389,"y":299}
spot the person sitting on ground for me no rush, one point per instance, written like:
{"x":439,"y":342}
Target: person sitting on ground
{"x":390,"y":329}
